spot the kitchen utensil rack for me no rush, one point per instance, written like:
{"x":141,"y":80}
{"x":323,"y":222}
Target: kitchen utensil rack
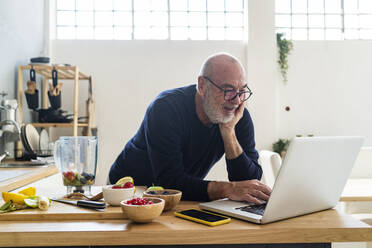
{"x":64,"y":73}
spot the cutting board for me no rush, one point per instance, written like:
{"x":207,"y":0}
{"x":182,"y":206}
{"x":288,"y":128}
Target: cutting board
{"x":53,"y":187}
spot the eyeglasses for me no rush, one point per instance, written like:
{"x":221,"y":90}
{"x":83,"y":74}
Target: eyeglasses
{"x":230,"y":95}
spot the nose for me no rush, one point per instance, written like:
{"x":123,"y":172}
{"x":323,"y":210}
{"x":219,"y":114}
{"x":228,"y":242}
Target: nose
{"x":236,"y":100}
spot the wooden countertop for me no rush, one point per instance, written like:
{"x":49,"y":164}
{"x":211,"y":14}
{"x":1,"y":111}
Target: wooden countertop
{"x":25,"y":176}
{"x":321,"y":227}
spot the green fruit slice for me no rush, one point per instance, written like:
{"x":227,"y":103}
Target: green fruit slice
{"x":154,"y":188}
{"x":32,"y":201}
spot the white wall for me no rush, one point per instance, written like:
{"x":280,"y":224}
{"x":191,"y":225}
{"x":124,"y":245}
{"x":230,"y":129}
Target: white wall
{"x":127,"y":76}
{"x":21,"y":37}
{"x":329,"y":90}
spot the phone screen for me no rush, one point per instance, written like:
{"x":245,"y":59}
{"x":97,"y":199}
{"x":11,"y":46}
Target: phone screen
{"x":203,"y":215}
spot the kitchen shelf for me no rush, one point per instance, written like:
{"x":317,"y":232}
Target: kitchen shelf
{"x":65,"y":72}
{"x":38,"y":124}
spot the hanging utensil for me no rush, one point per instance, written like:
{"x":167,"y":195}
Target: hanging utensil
{"x":31,"y":93}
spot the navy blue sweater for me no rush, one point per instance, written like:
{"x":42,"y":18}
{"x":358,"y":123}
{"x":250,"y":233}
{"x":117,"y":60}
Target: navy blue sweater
{"x":173,"y":149}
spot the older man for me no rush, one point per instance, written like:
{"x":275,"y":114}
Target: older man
{"x":186,"y":130}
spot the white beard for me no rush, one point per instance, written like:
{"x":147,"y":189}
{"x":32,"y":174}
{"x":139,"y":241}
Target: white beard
{"x":214,"y":114}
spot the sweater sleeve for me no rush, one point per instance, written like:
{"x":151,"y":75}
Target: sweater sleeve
{"x":163,"y":134}
{"x":245,"y":167}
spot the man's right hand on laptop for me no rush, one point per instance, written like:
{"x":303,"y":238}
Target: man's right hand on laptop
{"x":252,"y":191}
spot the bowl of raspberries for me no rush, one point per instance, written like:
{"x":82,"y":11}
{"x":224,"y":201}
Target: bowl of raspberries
{"x":142,"y":209}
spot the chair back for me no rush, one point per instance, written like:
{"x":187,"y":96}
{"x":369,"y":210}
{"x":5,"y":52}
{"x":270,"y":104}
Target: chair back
{"x":270,"y":163}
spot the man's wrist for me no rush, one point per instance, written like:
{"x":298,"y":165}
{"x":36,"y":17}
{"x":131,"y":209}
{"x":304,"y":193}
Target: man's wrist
{"x":219,"y":190}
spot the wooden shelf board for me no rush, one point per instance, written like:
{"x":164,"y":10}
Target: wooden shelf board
{"x":80,"y":124}
{"x":64,"y":72}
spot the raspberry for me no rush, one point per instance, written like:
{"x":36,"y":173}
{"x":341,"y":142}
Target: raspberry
{"x":128,"y":185}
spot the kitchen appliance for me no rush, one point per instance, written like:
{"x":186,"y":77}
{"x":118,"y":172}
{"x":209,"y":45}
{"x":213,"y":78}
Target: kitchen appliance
{"x":76,"y":159}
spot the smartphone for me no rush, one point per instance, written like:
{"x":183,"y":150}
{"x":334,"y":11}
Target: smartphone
{"x":203,"y":217}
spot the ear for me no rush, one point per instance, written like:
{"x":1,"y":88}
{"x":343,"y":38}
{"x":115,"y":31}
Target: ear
{"x":202,"y":87}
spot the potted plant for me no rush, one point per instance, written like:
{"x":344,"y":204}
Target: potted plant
{"x":284,"y":49}
{"x":281,"y":147}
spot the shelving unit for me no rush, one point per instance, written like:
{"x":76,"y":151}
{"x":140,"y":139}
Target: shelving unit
{"x":65,"y":73}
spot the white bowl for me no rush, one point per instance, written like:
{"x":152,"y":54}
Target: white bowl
{"x":115,"y":196}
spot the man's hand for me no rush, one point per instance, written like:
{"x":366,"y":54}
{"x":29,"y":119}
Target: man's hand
{"x":232,"y":146}
{"x":252,"y":191}
{"x":231,"y":124}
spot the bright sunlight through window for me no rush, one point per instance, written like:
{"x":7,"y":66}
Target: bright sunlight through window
{"x":150,"y":19}
{"x":324,"y":19}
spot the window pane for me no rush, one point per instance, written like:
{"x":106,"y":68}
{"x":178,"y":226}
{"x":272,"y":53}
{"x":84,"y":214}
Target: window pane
{"x":365,"y":6}
{"x":178,"y":5}
{"x":179,"y":33}
{"x":65,"y":4}
{"x":285,"y":31}
{"x":216,"y":33}
{"x":333,"y":34}
{"x":141,"y":33}
{"x":365,"y":21}
{"x":316,"y":34}
{"x":299,"y":34}
{"x":84,"y":4}
{"x":159,"y":19}
{"x":299,"y":21}
{"x":216,"y":19}
{"x":316,"y":6}
{"x":197,"y":19}
{"x":159,"y":33}
{"x":197,"y":33}
{"x":122,"y":33}
{"x":65,"y":32}
{"x":333,"y":6}
{"x":234,"y":19}
{"x":283,"y":20}
{"x":234,"y":34}
{"x":283,"y":6}
{"x":103,"y":33}
{"x":103,"y":18}
{"x":122,"y":18}
{"x":159,"y":5}
{"x":351,"y":34}
{"x":103,"y":4}
{"x":351,"y":21}
{"x":365,"y":34}
{"x":142,"y":19}
{"x":84,"y":18}
{"x":333,"y":21}
{"x":123,"y":4}
{"x":197,"y":5}
{"x":216,"y":5}
{"x":65,"y":17}
{"x":142,"y":4}
{"x":351,"y":6}
{"x":316,"y":21}
{"x":84,"y":33}
{"x":178,"y":19}
{"x":234,"y":5}
{"x":299,"y":6}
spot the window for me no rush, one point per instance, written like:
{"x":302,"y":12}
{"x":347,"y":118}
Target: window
{"x":150,"y":19}
{"x":324,"y":19}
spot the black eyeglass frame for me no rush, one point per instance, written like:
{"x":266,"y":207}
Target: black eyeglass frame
{"x":238,"y":93}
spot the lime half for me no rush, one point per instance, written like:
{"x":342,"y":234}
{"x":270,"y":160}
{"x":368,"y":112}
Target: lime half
{"x":32,"y":201}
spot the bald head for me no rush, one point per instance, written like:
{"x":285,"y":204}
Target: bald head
{"x":221,"y":64}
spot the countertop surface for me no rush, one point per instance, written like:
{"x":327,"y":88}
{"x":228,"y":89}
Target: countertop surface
{"x":322,"y":227}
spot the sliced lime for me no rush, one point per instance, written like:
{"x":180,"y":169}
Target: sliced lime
{"x":32,"y":201}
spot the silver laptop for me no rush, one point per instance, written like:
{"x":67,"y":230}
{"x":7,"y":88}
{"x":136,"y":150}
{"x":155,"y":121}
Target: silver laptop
{"x":311,"y":178}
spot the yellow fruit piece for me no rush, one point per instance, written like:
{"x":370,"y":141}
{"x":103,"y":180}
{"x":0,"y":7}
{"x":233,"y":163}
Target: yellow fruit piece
{"x":30,"y":191}
{"x":14,"y":197}
{"x":125,"y":180}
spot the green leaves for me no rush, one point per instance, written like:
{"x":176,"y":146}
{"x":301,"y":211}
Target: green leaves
{"x":284,"y":49}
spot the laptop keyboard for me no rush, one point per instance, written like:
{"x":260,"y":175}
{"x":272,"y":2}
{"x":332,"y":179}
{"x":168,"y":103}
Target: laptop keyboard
{"x":255,"y":209}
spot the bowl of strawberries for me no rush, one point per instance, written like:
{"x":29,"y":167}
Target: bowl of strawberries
{"x":114,"y":194}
